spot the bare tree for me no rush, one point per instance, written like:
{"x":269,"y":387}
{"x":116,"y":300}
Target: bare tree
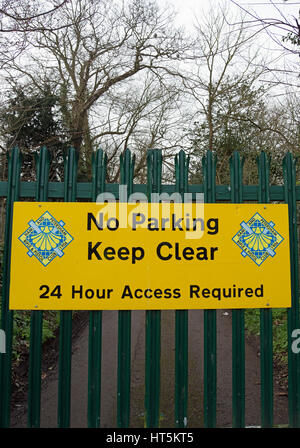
{"x":142,"y":115}
{"x":288,"y":25}
{"x":227,"y":63}
{"x":282,"y":28}
{"x":105,"y":44}
{"x":20,"y":18}
{"x":20,"y":15}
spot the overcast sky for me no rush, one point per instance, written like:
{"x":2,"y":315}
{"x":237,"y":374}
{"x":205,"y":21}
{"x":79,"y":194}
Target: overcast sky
{"x":187,"y":8}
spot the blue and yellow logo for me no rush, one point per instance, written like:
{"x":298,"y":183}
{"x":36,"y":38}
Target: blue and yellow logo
{"x":258,"y":239}
{"x":46,"y":238}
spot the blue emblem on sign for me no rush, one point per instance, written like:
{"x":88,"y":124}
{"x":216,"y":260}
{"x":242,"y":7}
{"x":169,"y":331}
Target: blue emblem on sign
{"x":258,"y":239}
{"x":46,"y":238}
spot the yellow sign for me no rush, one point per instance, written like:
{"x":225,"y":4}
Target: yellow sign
{"x":122,"y":256}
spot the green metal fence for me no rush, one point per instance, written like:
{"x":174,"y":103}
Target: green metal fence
{"x":15,"y":189}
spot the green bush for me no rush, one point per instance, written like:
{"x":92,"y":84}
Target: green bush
{"x":1,"y":267}
{"x":21,"y":325}
{"x":280,"y":346}
{"x":21,"y":330}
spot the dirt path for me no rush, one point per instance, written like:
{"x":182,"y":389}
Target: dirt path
{"x":109,"y":377}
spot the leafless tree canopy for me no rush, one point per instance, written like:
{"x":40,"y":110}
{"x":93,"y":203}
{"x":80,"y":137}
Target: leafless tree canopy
{"x":19,"y":18}
{"x":105,"y":44}
{"x":20,"y":15}
{"x":287,"y":24}
{"x":125,"y":75}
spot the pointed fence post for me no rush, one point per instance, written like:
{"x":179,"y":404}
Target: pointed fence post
{"x":99,"y":164}
{"x":124,"y":321}
{"x":238,"y":316}
{"x":153,"y":317}
{"x":289,"y":173}
{"x":266,"y":331}
{"x":181,"y":317}
{"x":13,"y":183}
{"x":36,"y":324}
{"x":65,"y":335}
{"x":210,"y":327}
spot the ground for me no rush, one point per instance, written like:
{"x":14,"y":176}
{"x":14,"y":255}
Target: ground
{"x":109,"y":375}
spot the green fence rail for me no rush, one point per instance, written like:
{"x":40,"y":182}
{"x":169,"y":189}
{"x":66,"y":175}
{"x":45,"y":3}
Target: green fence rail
{"x":15,"y":189}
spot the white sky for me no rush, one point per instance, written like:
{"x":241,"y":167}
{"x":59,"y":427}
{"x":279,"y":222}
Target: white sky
{"x":187,"y":8}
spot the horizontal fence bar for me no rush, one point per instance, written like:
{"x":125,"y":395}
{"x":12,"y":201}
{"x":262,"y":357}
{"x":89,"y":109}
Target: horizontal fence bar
{"x":84,"y":191}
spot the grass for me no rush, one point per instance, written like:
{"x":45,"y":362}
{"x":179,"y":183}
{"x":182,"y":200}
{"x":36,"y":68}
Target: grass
{"x":21,"y":326}
{"x":280,"y":346}
{"x":21,"y":331}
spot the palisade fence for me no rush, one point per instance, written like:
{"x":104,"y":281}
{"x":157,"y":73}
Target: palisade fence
{"x":14,"y":189}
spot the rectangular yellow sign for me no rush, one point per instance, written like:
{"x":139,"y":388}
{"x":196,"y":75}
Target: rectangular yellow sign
{"x":122,"y":256}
